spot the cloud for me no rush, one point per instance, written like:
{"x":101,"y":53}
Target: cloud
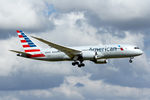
{"x":18,"y":70}
{"x":69,"y":21}
{"x":33,"y":16}
{"x":77,"y":27}
{"x":22,"y":15}
{"x":25,"y":15}
{"x":8,"y":98}
{"x":74,"y":23}
{"x":124,"y":15}
{"x":90,"y":90}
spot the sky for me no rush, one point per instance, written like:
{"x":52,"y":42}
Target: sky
{"x":75,"y":23}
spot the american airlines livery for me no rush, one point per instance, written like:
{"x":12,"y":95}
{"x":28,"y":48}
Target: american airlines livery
{"x":97,"y":54}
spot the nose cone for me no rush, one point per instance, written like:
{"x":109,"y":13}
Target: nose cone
{"x":140,"y":52}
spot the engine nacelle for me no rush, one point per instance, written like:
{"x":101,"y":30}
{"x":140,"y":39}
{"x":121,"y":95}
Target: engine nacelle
{"x":100,"y":61}
{"x":88,"y":55}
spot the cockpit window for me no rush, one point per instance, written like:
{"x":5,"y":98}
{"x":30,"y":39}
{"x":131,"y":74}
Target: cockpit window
{"x":136,"y":48}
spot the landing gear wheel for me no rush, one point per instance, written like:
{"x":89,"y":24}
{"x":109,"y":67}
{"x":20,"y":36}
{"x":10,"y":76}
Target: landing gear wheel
{"x":78,"y":60}
{"x":79,"y":66}
{"x":82,"y":64}
{"x":75,"y":63}
{"x":130,"y":61}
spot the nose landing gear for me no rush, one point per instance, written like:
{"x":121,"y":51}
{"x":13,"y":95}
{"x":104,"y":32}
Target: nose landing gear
{"x":130,"y":61}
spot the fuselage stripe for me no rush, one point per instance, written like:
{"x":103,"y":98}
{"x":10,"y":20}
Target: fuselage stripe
{"x":23,"y":41}
{"x":121,"y":49}
{"x":20,"y":36}
{"x":33,"y":50}
{"x":36,"y":55}
{"x":18,"y":31}
{"x":25,"y":46}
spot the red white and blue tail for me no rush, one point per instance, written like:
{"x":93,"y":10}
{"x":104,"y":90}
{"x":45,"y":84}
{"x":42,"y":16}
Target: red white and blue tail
{"x":28,"y":46}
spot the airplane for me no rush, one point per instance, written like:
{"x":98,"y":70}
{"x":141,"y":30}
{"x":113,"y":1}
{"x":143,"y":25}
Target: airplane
{"x":98,"y":54}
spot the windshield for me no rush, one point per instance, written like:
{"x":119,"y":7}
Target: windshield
{"x":136,"y":48}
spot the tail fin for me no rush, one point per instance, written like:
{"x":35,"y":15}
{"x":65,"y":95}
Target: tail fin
{"x":29,"y":46}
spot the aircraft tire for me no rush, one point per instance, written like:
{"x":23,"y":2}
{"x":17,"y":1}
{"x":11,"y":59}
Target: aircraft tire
{"x":130,"y":61}
{"x":82,"y":64}
{"x":73,"y":64}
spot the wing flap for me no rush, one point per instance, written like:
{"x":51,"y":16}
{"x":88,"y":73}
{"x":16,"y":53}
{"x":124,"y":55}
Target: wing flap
{"x":68,"y":51}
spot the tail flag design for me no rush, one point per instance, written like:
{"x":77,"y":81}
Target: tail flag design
{"x":120,"y":48}
{"x":29,"y":46}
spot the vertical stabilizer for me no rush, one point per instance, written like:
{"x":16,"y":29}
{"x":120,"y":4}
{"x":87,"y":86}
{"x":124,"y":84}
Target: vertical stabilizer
{"x":29,"y":46}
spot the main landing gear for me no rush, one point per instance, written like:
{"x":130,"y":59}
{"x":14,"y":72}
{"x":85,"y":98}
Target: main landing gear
{"x":79,"y":63}
{"x":130,"y":61}
{"x":78,"y":60}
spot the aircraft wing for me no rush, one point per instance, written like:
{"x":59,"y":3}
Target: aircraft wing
{"x":68,"y":51}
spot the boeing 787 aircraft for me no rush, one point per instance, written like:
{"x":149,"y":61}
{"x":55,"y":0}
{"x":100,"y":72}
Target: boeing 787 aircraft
{"x":97,"y":54}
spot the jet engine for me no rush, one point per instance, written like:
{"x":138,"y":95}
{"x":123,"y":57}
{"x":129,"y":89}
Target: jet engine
{"x":100,"y":61}
{"x":88,"y":55}
{"x":91,"y":55}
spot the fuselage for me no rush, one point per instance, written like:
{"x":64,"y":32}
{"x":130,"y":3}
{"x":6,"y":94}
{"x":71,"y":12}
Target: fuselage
{"x":97,"y":54}
{"x":90,"y":52}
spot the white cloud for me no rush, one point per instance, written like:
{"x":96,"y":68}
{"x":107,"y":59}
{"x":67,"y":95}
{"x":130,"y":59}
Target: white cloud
{"x":128,"y":38}
{"x":72,"y":29}
{"x":67,"y":32}
{"x":90,"y":90}
{"x":8,"y":62}
{"x":33,"y":15}
{"x":8,"y":98}
{"x":110,"y":10}
{"x":20,"y":14}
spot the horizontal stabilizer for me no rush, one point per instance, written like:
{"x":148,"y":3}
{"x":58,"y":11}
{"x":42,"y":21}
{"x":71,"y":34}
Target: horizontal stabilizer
{"x":23,"y":54}
{"x":20,"y":52}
